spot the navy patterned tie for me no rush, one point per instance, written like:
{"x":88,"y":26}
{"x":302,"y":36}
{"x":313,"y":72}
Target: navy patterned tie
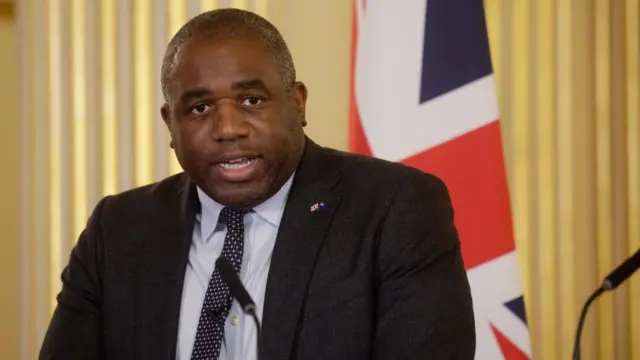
{"x":218,"y":298}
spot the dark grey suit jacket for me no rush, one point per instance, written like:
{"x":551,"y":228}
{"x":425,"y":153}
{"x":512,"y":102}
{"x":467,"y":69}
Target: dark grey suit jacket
{"x":377,"y":274}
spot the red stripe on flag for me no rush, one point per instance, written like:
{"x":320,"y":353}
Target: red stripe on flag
{"x":509,"y":351}
{"x":472,"y":167}
{"x":357,"y":140}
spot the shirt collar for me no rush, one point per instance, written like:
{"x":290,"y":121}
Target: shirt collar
{"x":270,"y":210}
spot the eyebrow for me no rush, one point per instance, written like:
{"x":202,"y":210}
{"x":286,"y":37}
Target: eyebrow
{"x":251,"y":84}
{"x":193,"y":94}
{"x":244,"y":85}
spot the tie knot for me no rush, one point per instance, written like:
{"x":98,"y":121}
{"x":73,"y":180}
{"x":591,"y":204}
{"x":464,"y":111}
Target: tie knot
{"x":232,"y":216}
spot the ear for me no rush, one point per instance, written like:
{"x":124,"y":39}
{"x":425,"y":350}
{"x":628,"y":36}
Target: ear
{"x":165,"y":111}
{"x":299,"y":93}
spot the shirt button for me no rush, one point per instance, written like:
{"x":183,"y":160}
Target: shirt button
{"x":234,"y":320}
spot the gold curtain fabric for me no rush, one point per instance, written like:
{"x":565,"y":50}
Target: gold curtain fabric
{"x":568,"y":73}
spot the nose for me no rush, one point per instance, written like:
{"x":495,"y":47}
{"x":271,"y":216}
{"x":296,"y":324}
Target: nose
{"x":229,"y":123}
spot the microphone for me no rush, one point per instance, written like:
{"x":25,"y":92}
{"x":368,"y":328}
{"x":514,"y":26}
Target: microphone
{"x":622,"y":272}
{"x":615,"y":278}
{"x":229,"y":275}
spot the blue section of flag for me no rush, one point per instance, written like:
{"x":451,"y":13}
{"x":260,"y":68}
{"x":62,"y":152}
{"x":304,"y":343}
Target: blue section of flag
{"x":456,"y":46}
{"x":517,"y":307}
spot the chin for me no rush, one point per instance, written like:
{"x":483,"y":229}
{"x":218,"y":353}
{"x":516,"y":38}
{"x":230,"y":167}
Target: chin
{"x":238,"y":196}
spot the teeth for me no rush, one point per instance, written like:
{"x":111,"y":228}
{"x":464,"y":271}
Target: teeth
{"x":236,"y":164}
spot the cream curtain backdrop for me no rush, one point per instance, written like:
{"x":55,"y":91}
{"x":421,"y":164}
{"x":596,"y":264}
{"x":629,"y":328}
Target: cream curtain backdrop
{"x":9,"y":185}
{"x":567,"y":72}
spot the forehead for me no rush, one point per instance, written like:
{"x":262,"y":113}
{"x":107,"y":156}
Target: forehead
{"x":201,"y":61}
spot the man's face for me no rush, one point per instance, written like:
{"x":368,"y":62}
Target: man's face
{"x":236,"y":129}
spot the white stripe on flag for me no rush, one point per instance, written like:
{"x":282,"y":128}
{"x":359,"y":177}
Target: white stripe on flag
{"x":493,"y":284}
{"x":388,"y":77}
{"x":408,"y":128}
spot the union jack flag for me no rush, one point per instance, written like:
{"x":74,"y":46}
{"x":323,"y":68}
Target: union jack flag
{"x":423,"y":93}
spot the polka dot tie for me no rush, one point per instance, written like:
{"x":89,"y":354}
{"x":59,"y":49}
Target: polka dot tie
{"x":218,"y":298}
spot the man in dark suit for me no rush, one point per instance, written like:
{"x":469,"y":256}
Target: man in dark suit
{"x":345,"y":256}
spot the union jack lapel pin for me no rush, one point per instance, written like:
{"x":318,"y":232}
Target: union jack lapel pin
{"x":317,"y":207}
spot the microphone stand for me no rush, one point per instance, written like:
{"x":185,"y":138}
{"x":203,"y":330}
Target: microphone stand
{"x":583,"y":314}
{"x":251,"y":310}
{"x":230,"y":276}
{"x":615,"y":278}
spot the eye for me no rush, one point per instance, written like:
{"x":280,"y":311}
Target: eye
{"x":200,"y":109}
{"x":251,"y":101}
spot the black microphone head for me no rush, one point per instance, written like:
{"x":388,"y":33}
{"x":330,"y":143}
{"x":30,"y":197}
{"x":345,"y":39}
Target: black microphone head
{"x":622,"y":272}
{"x":238,"y":291}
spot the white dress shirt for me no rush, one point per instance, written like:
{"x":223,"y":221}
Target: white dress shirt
{"x":261,"y":228}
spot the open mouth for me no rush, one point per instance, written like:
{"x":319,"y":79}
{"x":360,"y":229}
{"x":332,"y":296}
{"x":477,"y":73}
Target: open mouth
{"x":240,"y":169}
{"x":237,"y":163}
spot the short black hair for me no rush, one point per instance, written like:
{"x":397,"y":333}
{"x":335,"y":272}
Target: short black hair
{"x":230,"y":23}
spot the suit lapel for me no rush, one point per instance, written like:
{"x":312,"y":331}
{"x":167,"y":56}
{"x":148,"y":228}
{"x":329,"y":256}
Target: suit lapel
{"x":163,"y":259}
{"x":300,"y":237}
